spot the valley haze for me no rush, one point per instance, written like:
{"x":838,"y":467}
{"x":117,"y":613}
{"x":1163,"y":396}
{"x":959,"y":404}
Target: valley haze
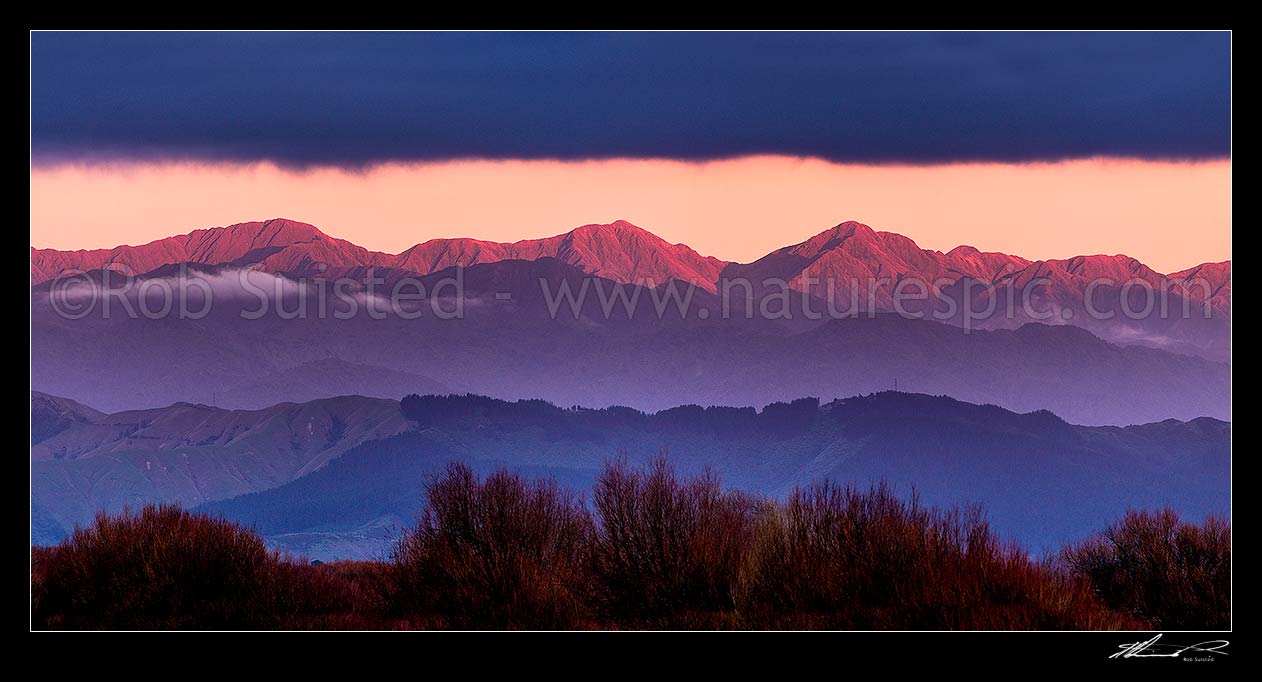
{"x":611,"y":314}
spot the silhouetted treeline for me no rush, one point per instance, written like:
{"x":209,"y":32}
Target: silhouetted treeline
{"x":428,"y":410}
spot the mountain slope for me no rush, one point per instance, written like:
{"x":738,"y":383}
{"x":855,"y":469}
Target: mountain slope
{"x":193,"y":453}
{"x":619,"y":251}
{"x":1018,"y":465}
{"x":326,"y":378}
{"x":852,"y":251}
{"x":854,"y":269}
{"x":1212,"y":280}
{"x":278,"y":245}
{"x":1190,"y":311}
{"x":50,"y":415}
{"x":517,"y":348}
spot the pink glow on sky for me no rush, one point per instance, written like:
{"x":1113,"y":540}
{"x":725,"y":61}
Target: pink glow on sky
{"x":1171,"y":215}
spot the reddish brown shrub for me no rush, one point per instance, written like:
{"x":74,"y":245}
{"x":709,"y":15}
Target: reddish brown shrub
{"x":500,"y":553}
{"x":665,"y":548}
{"x":838,"y":557}
{"x":160,"y":567}
{"x":504,"y":552}
{"x":1154,"y":566}
{"x":341,"y":595}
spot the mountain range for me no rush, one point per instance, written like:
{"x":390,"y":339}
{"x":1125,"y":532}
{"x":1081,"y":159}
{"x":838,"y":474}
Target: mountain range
{"x":838,"y":257}
{"x":519,"y":338}
{"x":515,"y":349}
{"x":83,"y":461}
{"x":339,"y":478}
{"x":619,"y":251}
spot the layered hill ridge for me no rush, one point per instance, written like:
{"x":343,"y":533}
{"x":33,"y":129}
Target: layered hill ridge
{"x":854,"y":251}
{"x":330,"y":491}
{"x":848,"y":268}
{"x":83,"y":460}
{"x":518,"y":349}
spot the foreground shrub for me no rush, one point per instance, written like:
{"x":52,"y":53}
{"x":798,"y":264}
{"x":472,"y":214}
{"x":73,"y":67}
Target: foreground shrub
{"x":659,"y":551}
{"x":342,"y":595}
{"x":665,"y":547}
{"x":500,"y":553}
{"x":1150,"y":564}
{"x":838,"y":557}
{"x":159,"y":568}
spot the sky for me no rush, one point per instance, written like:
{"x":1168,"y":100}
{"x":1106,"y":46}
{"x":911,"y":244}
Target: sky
{"x":1043,"y":144}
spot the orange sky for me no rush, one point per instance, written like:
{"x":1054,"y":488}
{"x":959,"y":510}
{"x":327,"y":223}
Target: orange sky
{"x":1171,"y":215}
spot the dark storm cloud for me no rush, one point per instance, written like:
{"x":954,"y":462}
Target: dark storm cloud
{"x":357,"y":98}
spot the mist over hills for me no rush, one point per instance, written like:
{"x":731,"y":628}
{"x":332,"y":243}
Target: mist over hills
{"x":609,"y":342}
{"x":827,"y":266}
{"x":514,"y":349}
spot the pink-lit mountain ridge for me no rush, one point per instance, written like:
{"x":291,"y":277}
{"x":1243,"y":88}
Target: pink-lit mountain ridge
{"x":625,"y":253}
{"x":854,"y":252}
{"x":619,"y":251}
{"x":836,"y":266}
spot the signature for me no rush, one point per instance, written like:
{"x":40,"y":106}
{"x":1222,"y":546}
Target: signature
{"x":1151,"y":649}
